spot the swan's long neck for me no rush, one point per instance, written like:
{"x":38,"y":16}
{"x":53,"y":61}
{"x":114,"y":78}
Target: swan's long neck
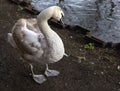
{"x":55,"y":50}
{"x":49,"y":34}
{"x":46,"y":30}
{"x":42,"y":20}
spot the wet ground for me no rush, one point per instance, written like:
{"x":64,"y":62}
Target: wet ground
{"x":97,"y":72}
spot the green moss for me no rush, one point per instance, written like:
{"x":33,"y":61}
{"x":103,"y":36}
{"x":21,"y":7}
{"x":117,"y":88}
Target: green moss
{"x":89,"y":46}
{"x":20,"y":8}
{"x":109,"y":58}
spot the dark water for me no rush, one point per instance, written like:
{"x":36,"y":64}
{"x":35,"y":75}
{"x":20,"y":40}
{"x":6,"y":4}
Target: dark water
{"x":101,"y":17}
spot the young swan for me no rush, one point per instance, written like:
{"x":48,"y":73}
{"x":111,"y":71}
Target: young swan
{"x":37,"y":42}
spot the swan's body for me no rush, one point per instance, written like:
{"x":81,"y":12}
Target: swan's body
{"x":36,"y":41}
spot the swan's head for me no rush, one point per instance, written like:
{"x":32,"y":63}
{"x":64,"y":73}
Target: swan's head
{"x":54,"y":12}
{"x":58,"y":13}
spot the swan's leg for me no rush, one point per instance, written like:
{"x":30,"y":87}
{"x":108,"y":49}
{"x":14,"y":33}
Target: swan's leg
{"x":49,"y":72}
{"x":38,"y":78}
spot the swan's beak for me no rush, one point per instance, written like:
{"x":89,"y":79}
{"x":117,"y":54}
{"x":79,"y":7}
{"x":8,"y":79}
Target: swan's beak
{"x":61,"y":21}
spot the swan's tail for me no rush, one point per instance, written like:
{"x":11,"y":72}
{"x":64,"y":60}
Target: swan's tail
{"x":11,"y":40}
{"x":66,"y":55}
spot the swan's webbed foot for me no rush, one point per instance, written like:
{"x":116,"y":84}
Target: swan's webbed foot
{"x":49,"y":72}
{"x":38,"y":78}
